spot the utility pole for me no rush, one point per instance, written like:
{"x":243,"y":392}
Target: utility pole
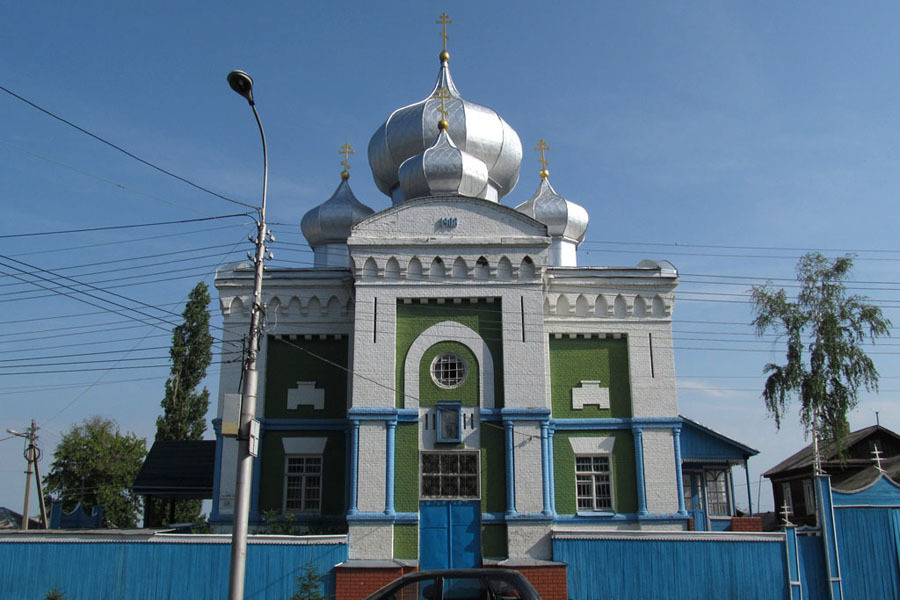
{"x":32,"y":456}
{"x":248,"y":429}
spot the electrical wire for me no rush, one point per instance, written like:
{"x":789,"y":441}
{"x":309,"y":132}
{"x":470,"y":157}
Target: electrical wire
{"x":124,"y":151}
{"x":120,"y":227}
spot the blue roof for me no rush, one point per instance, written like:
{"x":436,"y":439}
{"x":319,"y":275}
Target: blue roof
{"x":699,"y":442}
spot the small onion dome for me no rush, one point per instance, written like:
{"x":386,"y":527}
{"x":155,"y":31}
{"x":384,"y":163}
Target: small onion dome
{"x":327,"y":226}
{"x":566,"y":222}
{"x":443,"y":169}
{"x":475,"y":129}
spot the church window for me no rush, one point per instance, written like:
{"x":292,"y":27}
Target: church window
{"x":593,"y":483}
{"x":717,"y":492}
{"x":302,"y":484}
{"x":448,"y":370}
{"x":450,"y":475}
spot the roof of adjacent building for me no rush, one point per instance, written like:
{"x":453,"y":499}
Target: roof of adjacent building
{"x":804,"y":458}
{"x":178,"y":468}
{"x":700,"y":443}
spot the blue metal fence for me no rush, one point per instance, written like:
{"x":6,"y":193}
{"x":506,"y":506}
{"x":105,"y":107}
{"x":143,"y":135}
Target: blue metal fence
{"x":868,"y":552}
{"x":678,"y":565}
{"x":161,"y":566}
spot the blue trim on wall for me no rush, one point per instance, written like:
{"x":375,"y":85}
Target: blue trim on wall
{"x":611,"y":423}
{"x":353,"y":467}
{"x":390,"y":432}
{"x":552,"y":471}
{"x":545,"y":469}
{"x":524,"y":414}
{"x":510,"y":469}
{"x":679,"y":476}
{"x":638,"y":434}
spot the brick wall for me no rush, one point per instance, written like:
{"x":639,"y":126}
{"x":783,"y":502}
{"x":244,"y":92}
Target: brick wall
{"x":353,"y":583}
{"x":746,"y":524}
{"x":357,"y":583}
{"x":549,"y":581}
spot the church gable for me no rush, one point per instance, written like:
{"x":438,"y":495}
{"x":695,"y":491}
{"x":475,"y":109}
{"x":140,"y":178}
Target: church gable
{"x":448,"y":220}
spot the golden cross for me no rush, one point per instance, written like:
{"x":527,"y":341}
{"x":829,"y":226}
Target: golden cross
{"x":346,"y":150}
{"x":443,"y":21}
{"x":542,"y":147}
{"x":443,"y":94}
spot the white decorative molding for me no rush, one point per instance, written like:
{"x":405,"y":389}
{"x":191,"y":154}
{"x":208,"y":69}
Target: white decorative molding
{"x":449,"y":331}
{"x":303,"y":445}
{"x":593,"y":445}
{"x":306,"y":394}
{"x":590,"y":392}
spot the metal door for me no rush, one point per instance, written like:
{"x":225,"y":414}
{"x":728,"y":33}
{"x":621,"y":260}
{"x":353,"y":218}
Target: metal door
{"x":449,"y":534}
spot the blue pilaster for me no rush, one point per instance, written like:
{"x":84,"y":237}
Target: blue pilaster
{"x":354,"y":466}
{"x":510,"y":469}
{"x":389,"y":468}
{"x":825,"y":516}
{"x":679,"y":476}
{"x":638,"y":434}
{"x":545,"y":467}
{"x":550,"y":432}
{"x":217,"y":470}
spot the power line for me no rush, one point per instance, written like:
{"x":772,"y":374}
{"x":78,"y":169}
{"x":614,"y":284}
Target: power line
{"x":131,"y":226}
{"x":123,"y":151}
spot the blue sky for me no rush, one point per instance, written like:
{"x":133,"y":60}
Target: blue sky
{"x":724,"y":137}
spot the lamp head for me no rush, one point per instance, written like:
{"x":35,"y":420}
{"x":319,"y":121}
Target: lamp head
{"x":242,"y":83}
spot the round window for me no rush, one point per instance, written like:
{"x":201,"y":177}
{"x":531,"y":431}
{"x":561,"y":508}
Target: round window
{"x":448,"y":370}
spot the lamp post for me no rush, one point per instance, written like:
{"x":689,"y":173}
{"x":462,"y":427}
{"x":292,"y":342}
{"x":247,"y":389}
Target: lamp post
{"x":242,"y":83}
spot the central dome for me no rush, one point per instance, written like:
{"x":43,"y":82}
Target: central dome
{"x":474,"y":129}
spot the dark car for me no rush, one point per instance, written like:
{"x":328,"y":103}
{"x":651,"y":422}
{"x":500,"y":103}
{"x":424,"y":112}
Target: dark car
{"x":459,"y":584}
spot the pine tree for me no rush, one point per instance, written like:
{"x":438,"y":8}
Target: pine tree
{"x":825,"y":365}
{"x":184,"y":407}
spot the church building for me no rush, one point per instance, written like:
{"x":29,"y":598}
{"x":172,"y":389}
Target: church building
{"x":447,"y":383}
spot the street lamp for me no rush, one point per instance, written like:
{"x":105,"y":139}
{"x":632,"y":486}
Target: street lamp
{"x":242,"y":83}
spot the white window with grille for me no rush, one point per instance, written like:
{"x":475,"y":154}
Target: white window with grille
{"x":302,"y":484}
{"x":593,"y":483}
{"x":717,"y":492}
{"x":448,"y":370}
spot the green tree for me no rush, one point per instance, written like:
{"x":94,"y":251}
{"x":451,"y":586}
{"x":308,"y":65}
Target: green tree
{"x":824,"y":329}
{"x":184,"y":407}
{"x":94,"y":464}
{"x":308,"y":584}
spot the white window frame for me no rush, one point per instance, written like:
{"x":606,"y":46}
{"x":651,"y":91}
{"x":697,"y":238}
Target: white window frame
{"x":303,"y":479}
{"x":595,"y":477}
{"x":422,"y":475}
{"x":447,"y":362}
{"x":786,"y":499}
{"x":809,"y":497}
{"x":714,"y":503}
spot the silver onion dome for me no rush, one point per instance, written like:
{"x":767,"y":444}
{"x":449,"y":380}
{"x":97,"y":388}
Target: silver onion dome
{"x":443,"y":169}
{"x":566,"y":222}
{"x":475,"y":129}
{"x":327,"y":226}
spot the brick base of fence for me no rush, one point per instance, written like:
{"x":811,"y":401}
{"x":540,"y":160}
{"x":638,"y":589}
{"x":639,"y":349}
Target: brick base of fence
{"x":357,"y":579}
{"x":746,"y":524}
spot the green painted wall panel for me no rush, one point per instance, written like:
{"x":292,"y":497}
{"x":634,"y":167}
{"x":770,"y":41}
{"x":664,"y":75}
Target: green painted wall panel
{"x":623,"y":470}
{"x":574,"y":361}
{"x":431,"y":393}
{"x":406,"y":468}
{"x":271,"y":493}
{"x":493,"y":468}
{"x":483,"y":317}
{"x":287,"y":363}
{"x":493,"y":541}
{"x":406,"y":541}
